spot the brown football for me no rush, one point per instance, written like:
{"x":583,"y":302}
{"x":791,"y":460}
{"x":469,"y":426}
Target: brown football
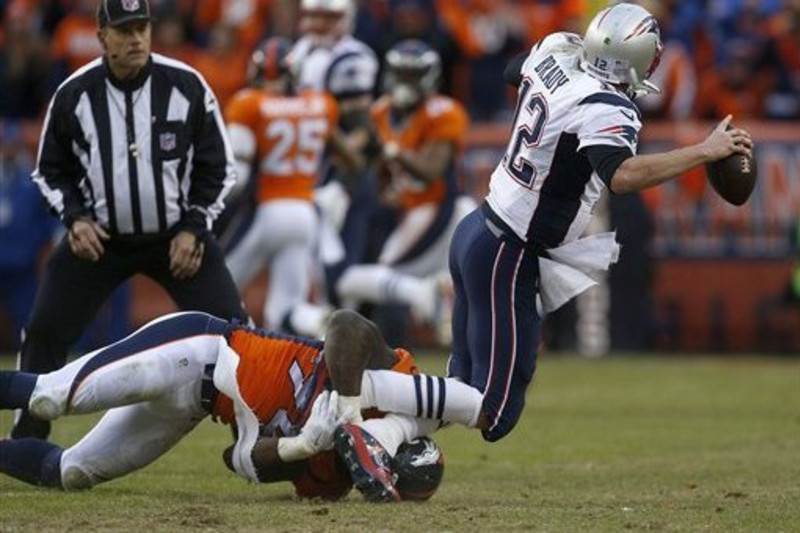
{"x":733,"y":177}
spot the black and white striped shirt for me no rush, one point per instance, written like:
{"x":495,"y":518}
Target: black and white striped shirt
{"x":141,"y":156}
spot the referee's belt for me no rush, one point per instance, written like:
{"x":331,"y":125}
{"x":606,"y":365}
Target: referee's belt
{"x":501,"y":230}
{"x":208,"y":392}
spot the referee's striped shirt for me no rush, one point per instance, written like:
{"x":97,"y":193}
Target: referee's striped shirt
{"x":139,"y":156}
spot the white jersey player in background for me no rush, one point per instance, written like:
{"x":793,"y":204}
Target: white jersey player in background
{"x":574,"y":135}
{"x":328,"y":58}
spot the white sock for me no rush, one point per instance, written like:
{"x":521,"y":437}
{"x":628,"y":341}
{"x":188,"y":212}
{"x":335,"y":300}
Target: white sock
{"x":363,"y":283}
{"x":423,"y":396}
{"x":393,"y":430}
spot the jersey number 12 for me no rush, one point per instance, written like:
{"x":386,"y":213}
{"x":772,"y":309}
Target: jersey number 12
{"x":528,"y":134}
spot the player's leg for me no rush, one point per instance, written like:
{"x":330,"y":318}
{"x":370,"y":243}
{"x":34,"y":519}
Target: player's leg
{"x":499,"y":281}
{"x":502,"y":333}
{"x":286,"y":307}
{"x":131,"y":437}
{"x":249,"y":255}
{"x":162,"y":356}
{"x":71,"y":293}
{"x":160,"y":366}
{"x":126,"y":439}
{"x":409,"y":252}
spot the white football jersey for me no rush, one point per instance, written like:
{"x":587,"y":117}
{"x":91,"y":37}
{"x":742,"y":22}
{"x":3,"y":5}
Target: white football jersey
{"x":545,"y":188}
{"x":349,"y":68}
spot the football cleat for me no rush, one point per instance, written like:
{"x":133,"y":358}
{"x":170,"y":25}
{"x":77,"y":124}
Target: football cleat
{"x":368,"y":462}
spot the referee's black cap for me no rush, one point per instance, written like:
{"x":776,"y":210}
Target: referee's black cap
{"x":119,"y":12}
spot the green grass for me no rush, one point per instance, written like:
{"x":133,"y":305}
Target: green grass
{"x":604,"y":445}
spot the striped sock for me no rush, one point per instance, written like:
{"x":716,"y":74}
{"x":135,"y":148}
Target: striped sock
{"x":432,"y":397}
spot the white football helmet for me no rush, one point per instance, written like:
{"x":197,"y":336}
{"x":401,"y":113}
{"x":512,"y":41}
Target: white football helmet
{"x":327,"y":20}
{"x":623,"y":45}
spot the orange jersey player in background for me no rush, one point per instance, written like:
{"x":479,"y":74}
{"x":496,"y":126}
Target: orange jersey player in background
{"x":421,"y":133}
{"x":280,"y":138}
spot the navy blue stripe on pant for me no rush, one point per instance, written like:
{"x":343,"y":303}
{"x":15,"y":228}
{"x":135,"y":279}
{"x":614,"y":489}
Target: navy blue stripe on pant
{"x":496,"y":328}
{"x":170,"y":329}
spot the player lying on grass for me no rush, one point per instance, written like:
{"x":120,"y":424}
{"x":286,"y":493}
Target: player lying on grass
{"x":161,"y":381}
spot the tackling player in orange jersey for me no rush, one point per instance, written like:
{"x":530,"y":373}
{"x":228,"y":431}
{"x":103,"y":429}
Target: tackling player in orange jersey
{"x":421,"y":133}
{"x":280,"y":138}
{"x":280,"y":392}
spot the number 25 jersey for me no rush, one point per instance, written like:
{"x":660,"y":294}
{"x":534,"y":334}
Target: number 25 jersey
{"x":545,"y":188}
{"x":285,"y":136}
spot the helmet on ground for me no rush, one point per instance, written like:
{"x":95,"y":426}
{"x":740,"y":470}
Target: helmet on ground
{"x":419,"y":466}
{"x":269,"y":62}
{"x":412,"y":72}
{"x":623,"y":46}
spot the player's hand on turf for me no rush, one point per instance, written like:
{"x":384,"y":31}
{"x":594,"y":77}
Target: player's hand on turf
{"x":86,"y":238}
{"x":322,"y":422}
{"x":723,"y":142}
{"x":185,"y":255}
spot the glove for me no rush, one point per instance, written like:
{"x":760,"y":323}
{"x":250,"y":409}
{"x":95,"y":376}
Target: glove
{"x":318,"y":429}
{"x":317,"y":433}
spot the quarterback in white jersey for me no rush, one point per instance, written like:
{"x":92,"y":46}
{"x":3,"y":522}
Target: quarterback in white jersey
{"x":574,"y":135}
{"x":543,"y":189}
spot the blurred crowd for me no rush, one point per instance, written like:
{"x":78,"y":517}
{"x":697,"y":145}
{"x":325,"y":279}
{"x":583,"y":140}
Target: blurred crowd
{"x":721,"y":56}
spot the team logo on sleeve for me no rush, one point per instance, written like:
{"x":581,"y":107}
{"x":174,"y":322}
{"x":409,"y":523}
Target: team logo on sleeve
{"x":625,"y":131}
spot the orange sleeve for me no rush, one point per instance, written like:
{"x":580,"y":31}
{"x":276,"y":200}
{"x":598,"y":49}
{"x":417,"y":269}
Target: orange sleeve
{"x":242,"y":108}
{"x":447,"y":125}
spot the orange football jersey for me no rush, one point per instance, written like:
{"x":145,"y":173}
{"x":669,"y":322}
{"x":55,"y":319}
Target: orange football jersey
{"x":279,"y":376}
{"x":439,"y":118}
{"x":291,"y":133}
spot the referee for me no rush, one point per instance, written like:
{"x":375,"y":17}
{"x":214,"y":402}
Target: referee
{"x":135,"y":161}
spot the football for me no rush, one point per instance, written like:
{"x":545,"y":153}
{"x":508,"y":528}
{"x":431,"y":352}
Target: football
{"x":733,"y":177}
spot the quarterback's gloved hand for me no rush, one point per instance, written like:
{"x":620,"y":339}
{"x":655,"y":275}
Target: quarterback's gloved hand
{"x":317,"y":433}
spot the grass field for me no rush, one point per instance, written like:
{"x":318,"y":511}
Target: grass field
{"x":692,"y":444}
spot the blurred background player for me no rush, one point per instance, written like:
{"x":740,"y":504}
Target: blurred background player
{"x":281,"y":138}
{"x":421,"y":133}
{"x":328,"y":58}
